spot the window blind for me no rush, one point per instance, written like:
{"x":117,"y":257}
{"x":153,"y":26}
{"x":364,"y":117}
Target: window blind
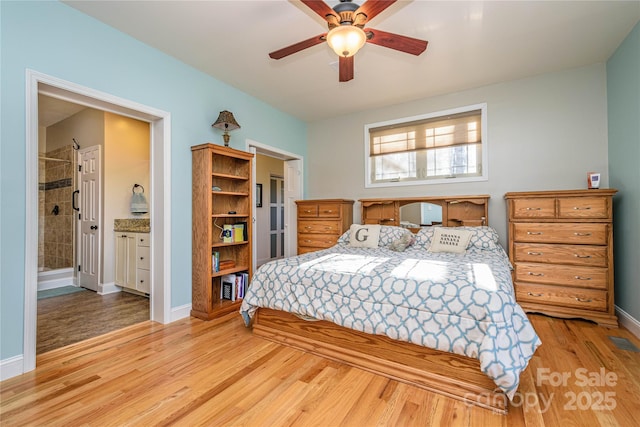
{"x":437,"y":132}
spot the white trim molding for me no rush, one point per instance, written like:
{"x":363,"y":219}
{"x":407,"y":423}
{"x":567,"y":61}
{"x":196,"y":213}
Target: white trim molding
{"x":11,"y":367}
{"x":628,"y":321}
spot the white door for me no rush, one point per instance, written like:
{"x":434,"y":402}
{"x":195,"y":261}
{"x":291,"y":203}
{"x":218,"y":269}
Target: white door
{"x":292,"y":192}
{"x":276,"y":217}
{"x":90,"y":235}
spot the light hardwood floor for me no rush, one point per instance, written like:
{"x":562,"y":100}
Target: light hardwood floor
{"x":192,"y":372}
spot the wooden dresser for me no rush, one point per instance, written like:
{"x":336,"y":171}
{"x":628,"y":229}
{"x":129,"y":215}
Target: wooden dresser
{"x":321,"y":222}
{"x":561,"y":248}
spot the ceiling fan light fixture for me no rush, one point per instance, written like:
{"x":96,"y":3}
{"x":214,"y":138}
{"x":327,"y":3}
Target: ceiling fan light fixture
{"x":346,"y":40}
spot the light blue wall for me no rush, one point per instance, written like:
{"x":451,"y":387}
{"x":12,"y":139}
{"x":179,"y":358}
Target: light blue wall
{"x":623,"y":96}
{"x":54,"y":39}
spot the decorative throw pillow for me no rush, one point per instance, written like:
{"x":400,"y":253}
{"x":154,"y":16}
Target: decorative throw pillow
{"x":399,"y":245}
{"x":364,"y":236}
{"x":450,"y":240}
{"x":389,"y":234}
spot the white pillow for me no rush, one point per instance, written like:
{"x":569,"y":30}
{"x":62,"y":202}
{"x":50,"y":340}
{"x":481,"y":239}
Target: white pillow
{"x":448,"y":240}
{"x":364,"y":236}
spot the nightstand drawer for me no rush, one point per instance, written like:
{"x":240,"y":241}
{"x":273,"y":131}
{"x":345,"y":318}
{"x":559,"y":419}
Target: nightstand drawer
{"x":583,"y":207}
{"x":319,"y":226}
{"x":534,"y":208}
{"x":589,"y":255}
{"x":588,"y":299}
{"x":562,"y":275}
{"x":574,"y":233}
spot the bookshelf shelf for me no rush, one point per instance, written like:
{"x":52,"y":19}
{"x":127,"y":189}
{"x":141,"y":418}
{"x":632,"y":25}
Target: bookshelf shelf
{"x":230,"y":170}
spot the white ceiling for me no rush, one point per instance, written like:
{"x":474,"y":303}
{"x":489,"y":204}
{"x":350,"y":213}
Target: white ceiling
{"x":471,"y":44}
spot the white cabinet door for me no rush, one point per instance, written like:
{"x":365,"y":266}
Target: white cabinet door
{"x":125,"y":260}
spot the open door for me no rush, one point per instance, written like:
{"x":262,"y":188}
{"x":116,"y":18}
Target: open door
{"x":87,"y":204}
{"x":292,"y":192}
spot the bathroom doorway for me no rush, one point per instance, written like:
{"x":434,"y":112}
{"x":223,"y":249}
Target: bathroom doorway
{"x":159,"y":195}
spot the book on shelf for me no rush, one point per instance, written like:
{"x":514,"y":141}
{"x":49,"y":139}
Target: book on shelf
{"x":238,"y":232}
{"x":234,"y":286}
{"x":228,"y":287}
{"x":215,"y":261}
{"x":227,"y":233}
{"x":245,"y":231}
{"x":225,"y":264}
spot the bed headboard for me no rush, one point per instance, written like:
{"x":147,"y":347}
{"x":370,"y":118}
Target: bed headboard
{"x":456,"y":210}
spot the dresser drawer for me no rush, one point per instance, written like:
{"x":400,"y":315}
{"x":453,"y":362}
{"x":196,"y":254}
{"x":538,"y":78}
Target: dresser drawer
{"x":307,"y":210}
{"x":317,"y":240}
{"x":574,"y":233}
{"x":583,"y":207}
{"x":589,"y":299}
{"x":563,"y":275}
{"x":319,"y":226}
{"x":594,"y":256}
{"x":328,"y":210}
{"x":534,"y":208}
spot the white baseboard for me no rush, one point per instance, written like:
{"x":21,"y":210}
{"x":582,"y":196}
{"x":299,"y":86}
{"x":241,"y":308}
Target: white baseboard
{"x":11,"y":367}
{"x":181,"y":312}
{"x":628,"y":321}
{"x":52,"y":279}
{"x":108,"y":288}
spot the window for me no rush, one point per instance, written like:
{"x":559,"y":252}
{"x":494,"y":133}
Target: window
{"x":447,"y":146}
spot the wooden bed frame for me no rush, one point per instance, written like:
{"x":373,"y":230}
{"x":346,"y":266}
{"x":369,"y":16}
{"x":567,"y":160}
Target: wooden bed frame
{"x":451,"y":375}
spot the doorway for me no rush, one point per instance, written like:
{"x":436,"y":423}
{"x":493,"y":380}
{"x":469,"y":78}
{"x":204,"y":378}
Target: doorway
{"x":160,"y":309}
{"x":290,"y":166}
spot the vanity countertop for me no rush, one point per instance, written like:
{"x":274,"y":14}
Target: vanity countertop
{"x":132,"y":225}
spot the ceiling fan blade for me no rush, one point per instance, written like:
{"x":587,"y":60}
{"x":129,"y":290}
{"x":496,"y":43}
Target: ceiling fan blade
{"x":286,"y":51}
{"x":346,"y":68}
{"x":319,"y":7}
{"x":371,"y":8}
{"x":396,"y":41}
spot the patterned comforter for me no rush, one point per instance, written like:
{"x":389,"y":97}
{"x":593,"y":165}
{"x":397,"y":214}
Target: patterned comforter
{"x":460,"y":303}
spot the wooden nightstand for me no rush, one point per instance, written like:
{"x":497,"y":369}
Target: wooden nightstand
{"x":322,"y":222}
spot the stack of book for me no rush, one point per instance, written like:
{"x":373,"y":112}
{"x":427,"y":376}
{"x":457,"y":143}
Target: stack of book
{"x":218,"y":265}
{"x":233,"y":286}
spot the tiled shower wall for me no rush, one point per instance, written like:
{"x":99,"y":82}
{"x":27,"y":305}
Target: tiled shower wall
{"x":55,"y":232}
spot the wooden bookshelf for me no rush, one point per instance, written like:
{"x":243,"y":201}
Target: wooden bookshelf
{"x":229,"y":170}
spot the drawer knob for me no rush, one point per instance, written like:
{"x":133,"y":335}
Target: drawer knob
{"x":581,"y":234}
{"x":530,"y":273}
{"x":534,"y":209}
{"x":308,"y":227}
{"x":583,"y":299}
{"x":534,"y":253}
{"x":534,"y":233}
{"x":308,"y":211}
{"x":328,"y":227}
{"x":531,"y":294}
{"x":307,"y":241}
{"x":328,"y":211}
{"x":582,"y":256}
{"x":581,"y":208}
{"x":581,"y":278}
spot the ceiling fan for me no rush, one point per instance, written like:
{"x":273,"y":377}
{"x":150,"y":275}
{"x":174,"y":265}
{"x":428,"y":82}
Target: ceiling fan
{"x":347,"y":33}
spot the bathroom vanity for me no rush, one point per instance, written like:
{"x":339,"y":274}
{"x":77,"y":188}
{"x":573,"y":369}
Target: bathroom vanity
{"x":132,"y":260}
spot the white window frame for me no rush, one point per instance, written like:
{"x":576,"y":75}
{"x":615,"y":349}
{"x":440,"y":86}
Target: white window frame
{"x":485,"y":149}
